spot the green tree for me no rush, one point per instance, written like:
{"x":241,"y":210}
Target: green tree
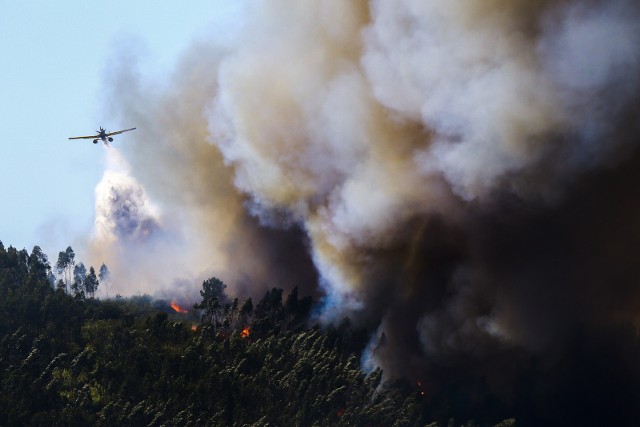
{"x":104,"y":278}
{"x":269,"y":314}
{"x":91,"y":283}
{"x":296,"y":311}
{"x":39,"y":262}
{"x":245,"y":312}
{"x":213,"y":296}
{"x":65,"y":265}
{"x":213,"y":288}
{"x":79,"y":278}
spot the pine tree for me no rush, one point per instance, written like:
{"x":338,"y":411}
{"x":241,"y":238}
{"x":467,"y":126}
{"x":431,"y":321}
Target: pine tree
{"x":213,"y":296}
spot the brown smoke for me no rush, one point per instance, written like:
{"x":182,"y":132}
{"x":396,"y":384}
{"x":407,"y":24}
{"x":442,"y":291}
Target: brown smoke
{"x":441,"y":163}
{"x":205,"y":228}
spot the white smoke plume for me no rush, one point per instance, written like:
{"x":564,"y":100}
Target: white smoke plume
{"x":130,"y":233}
{"x":407,"y":148}
{"x":123,"y":209}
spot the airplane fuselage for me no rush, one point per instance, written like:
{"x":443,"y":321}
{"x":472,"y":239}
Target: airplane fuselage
{"x":102,"y":134}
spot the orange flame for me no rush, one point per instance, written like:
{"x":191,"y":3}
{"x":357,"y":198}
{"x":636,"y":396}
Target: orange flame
{"x":194,"y":328}
{"x":177,"y":308}
{"x":245,"y":332}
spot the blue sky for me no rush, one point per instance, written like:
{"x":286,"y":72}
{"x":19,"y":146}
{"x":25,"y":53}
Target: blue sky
{"x":54,"y":59}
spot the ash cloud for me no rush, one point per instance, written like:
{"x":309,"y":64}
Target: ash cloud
{"x":455,"y":176}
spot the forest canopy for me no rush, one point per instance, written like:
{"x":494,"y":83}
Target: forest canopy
{"x":67,"y":358}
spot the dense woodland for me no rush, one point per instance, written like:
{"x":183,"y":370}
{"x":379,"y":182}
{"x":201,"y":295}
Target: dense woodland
{"x":67,"y":358}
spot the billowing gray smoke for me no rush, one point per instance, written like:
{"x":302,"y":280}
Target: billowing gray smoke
{"x":459,"y":173}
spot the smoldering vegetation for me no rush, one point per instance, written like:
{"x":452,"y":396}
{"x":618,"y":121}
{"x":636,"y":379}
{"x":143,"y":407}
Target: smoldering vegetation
{"x":456,"y":177}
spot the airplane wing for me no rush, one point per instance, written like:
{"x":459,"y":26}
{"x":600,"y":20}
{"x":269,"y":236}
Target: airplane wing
{"x":85,"y":137}
{"x":119,"y":131}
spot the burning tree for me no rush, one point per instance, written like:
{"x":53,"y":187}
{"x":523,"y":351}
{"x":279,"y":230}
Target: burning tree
{"x":245,"y":332}
{"x":177,"y":308}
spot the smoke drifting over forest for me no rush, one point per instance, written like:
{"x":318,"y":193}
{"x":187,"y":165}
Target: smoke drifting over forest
{"x":459,"y":176}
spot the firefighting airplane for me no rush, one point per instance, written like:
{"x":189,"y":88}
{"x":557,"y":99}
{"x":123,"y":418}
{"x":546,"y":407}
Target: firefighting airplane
{"x":102,"y":135}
